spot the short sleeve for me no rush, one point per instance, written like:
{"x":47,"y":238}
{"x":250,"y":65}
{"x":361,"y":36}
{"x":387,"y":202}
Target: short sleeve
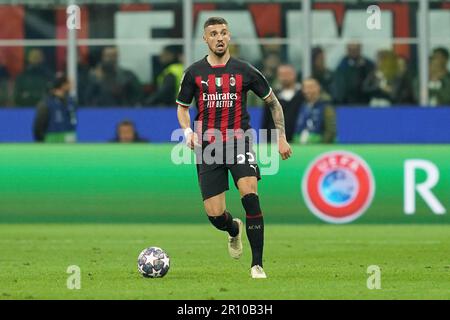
{"x":186,"y":91}
{"x":258,"y":83}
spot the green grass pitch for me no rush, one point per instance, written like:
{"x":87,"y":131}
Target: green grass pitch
{"x":301,"y":261}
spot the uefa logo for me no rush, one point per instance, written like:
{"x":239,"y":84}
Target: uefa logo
{"x":338,"y":186}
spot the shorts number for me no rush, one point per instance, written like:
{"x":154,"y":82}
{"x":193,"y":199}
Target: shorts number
{"x":241,"y":158}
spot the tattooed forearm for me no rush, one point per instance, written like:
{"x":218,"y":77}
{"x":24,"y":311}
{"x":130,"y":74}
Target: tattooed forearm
{"x":277,"y":112}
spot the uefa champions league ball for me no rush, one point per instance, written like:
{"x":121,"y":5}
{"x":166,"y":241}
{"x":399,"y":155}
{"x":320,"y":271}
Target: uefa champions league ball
{"x":153,"y":262}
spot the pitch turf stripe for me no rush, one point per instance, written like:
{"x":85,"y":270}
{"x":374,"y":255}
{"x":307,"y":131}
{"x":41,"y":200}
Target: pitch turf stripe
{"x":225,"y":111}
{"x":211,"y":105}
{"x":238,"y":109}
{"x":201,"y":109}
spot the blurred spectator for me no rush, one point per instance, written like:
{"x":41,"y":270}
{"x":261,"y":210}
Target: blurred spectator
{"x":268,"y":68}
{"x":83,"y":78}
{"x":83,"y":82}
{"x":290,"y":96}
{"x":112,"y":85}
{"x":55,"y":119}
{"x":320,"y":72}
{"x":273,"y":56}
{"x":386,"y":85}
{"x":439,"y":79}
{"x":316,"y":122}
{"x":168,"y":81}
{"x":4,"y":82}
{"x":235,"y":50}
{"x":126,"y":133}
{"x":32,"y":84}
{"x":273,"y":47}
{"x":349,"y":77}
{"x":270,"y":65}
{"x":406,"y":95}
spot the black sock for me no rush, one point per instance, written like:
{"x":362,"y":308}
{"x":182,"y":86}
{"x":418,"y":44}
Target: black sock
{"x":254,"y":227}
{"x":225,"y":223}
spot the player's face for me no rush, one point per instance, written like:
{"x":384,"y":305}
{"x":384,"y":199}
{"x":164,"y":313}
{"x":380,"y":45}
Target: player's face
{"x":217,"y":37}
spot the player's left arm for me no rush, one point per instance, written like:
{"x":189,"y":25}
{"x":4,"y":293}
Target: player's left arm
{"x":278,"y":118}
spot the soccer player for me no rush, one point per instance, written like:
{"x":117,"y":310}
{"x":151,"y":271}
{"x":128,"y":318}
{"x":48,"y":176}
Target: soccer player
{"x":220,"y":84}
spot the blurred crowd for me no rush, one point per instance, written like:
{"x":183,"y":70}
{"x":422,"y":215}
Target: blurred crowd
{"x":105,"y":83}
{"x":308,"y":105}
{"x":357,"y":80}
{"x":387,"y":81}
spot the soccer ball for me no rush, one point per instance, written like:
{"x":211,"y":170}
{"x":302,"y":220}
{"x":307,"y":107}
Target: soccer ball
{"x":153,"y":262}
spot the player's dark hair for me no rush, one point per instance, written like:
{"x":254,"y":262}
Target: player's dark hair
{"x":442,"y":51}
{"x":214,"y":20}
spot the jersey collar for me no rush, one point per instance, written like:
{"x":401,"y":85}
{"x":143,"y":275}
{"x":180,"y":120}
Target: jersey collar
{"x":217,"y":65}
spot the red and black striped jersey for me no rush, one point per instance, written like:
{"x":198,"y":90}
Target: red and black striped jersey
{"x":221,"y":93}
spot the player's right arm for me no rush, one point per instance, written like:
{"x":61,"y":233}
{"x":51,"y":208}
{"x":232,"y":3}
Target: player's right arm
{"x":185,"y":123}
{"x":184,"y":99}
